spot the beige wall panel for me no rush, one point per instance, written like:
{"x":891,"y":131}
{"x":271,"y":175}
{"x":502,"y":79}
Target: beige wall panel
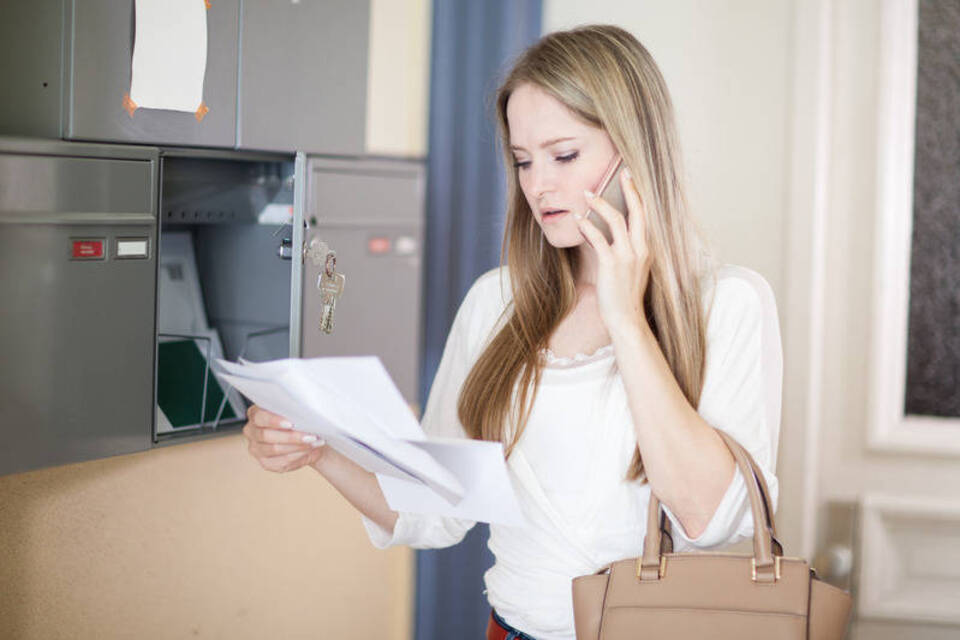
{"x":398,"y":86}
{"x":193,"y":540}
{"x":728,"y":66}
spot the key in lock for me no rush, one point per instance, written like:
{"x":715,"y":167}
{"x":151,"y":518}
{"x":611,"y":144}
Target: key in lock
{"x":331,"y":285}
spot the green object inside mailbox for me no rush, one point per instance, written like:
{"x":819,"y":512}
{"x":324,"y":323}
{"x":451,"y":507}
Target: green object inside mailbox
{"x":180,"y":372}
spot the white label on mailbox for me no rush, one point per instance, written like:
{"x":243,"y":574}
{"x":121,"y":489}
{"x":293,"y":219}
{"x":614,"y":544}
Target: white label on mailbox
{"x":131,"y":248}
{"x":405,"y":245}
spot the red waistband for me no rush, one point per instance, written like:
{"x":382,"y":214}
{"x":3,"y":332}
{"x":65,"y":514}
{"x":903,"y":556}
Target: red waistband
{"x":494,"y":630}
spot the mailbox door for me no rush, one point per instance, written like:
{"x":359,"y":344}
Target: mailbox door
{"x":77,"y":253}
{"x":370,"y":212}
{"x":100,"y":42}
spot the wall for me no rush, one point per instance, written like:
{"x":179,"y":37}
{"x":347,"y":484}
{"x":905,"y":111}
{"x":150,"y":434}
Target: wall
{"x":398,"y":85}
{"x":727,"y":65}
{"x":192,"y":540}
{"x":196,"y":540}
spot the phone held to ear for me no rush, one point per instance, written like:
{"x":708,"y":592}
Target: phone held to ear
{"x":609,"y":189}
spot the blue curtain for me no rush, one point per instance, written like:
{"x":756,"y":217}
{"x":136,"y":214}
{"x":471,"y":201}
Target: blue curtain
{"x":473,"y":44}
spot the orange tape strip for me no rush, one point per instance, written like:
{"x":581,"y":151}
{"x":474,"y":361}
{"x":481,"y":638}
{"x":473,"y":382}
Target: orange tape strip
{"x":202,"y":110}
{"x":129,"y":105}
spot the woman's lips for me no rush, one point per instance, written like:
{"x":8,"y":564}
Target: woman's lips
{"x":554,"y":215}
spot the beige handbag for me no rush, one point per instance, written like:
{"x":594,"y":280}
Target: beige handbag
{"x":711,"y":594}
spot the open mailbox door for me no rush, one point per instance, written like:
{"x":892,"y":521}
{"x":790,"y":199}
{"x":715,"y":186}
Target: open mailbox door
{"x":369,"y":214}
{"x":297,"y":260}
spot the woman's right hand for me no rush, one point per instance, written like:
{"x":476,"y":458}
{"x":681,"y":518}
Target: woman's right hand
{"x":278,"y":447}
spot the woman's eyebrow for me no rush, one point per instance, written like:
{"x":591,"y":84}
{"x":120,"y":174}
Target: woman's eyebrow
{"x":545,"y":144}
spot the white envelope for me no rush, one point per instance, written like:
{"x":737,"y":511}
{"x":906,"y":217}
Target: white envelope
{"x":479,"y":466}
{"x":353,"y":404}
{"x":350,"y":416}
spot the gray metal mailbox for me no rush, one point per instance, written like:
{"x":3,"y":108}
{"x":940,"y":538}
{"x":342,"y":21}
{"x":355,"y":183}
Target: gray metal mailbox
{"x":279,"y":75}
{"x":126,"y":270}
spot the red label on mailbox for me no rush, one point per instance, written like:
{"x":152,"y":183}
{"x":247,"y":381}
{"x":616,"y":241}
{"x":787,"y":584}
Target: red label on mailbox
{"x":88,"y":249}
{"x":378,"y":245}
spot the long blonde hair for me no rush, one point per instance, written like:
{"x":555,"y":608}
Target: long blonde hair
{"x":607,"y":78}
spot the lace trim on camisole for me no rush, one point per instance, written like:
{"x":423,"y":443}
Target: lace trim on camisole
{"x":554,"y":360}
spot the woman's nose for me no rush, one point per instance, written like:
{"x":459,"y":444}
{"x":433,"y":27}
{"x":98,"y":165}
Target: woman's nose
{"x":541,"y":180}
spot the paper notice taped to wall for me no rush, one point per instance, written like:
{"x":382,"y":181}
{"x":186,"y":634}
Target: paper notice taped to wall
{"x":169,"y":54}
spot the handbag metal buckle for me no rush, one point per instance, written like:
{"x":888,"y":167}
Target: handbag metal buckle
{"x":662,"y":571}
{"x":776,"y":568}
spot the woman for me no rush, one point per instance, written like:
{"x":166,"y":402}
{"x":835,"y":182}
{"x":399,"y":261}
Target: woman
{"x":585,"y":357}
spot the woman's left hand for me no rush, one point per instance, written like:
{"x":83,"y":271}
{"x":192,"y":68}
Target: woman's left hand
{"x":623,"y":265}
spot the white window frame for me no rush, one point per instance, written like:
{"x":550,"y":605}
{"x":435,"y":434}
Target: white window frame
{"x":889,"y":429}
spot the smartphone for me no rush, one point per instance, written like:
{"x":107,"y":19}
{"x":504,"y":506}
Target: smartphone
{"x":609,"y":189}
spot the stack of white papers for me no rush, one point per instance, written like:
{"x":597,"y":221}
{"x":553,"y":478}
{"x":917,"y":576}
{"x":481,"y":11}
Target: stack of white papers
{"x":352,"y":403}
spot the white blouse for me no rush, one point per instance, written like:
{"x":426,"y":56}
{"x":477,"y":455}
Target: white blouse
{"x":570,"y":464}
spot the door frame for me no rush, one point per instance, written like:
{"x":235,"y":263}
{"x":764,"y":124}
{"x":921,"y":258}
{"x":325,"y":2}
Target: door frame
{"x":802,"y":312}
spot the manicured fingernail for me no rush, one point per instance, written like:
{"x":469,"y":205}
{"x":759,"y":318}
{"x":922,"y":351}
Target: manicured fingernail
{"x":578,"y":215}
{"x":626,"y":172}
{"x":286,"y":424}
{"x":588,"y":194}
{"x":309,"y":438}
{"x":319,"y":443}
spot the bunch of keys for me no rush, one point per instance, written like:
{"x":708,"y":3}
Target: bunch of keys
{"x":330,"y":284}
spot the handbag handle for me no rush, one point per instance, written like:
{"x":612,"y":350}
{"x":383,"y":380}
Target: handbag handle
{"x":764,"y":540}
{"x":764,"y":493}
